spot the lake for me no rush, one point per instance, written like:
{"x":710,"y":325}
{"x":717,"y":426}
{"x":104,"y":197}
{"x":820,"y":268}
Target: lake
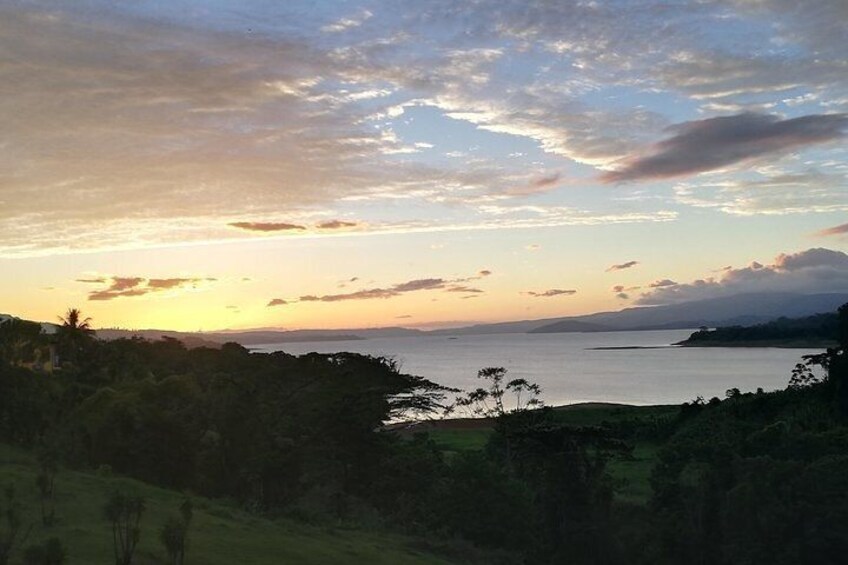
{"x":570,"y":371}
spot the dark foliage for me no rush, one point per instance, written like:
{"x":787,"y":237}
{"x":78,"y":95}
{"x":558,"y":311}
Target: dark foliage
{"x":754,"y":478}
{"x":818,"y":327}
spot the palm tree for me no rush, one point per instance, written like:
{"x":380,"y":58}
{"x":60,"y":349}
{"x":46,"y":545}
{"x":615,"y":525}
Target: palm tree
{"x":74,"y":334}
{"x":74,"y":322}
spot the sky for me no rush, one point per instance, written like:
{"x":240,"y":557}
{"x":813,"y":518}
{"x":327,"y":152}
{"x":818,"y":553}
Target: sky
{"x":204,"y":165}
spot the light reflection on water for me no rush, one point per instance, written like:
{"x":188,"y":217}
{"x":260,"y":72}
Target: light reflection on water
{"x":569,"y":371}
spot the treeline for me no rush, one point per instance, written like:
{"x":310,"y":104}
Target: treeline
{"x":753,"y":478}
{"x":818,"y":328}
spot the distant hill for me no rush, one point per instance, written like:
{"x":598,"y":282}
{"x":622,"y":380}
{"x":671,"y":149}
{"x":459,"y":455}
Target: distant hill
{"x":251,"y":337}
{"x":739,"y":309}
{"x":522,"y":326}
{"x":273,"y":336}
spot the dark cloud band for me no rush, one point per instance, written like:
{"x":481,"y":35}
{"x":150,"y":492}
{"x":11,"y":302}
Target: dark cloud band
{"x":711,"y":144}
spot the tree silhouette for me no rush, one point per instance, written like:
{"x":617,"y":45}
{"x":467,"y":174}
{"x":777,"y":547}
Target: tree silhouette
{"x":174,"y":534}
{"x":46,"y":483}
{"x":489,"y":402}
{"x":124,"y":513}
{"x":74,"y":334}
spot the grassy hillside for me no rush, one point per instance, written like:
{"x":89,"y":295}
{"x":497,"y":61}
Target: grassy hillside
{"x":220,"y":533}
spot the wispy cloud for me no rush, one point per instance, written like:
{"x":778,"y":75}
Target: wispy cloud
{"x":267,"y":226}
{"x":622,"y":266}
{"x":454,"y":286}
{"x":835,"y":230}
{"x":276,"y":302}
{"x":622,"y":292}
{"x":550,"y":293}
{"x":537,"y":185}
{"x":662,"y":283}
{"x":776,"y":194}
{"x":464,"y":289}
{"x":125,"y":287}
{"x":348,"y":23}
{"x":336,"y":224}
{"x":95,"y":280}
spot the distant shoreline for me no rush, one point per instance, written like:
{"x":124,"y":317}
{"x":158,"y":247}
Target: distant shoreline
{"x":627,"y":347}
{"x":765,"y":343}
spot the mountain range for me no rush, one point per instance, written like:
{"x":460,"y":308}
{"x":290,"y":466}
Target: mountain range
{"x":739,"y":309}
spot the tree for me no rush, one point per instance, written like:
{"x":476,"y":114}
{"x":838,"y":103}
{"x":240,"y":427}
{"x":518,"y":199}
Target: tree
{"x":489,"y":402}
{"x":510,"y":417}
{"x":46,"y":483}
{"x":74,"y":334}
{"x":124,"y":513}
{"x":833,"y":363}
{"x":174,"y":534}
{"x":21,"y":341}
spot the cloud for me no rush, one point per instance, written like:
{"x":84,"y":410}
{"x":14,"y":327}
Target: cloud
{"x":180,"y":128}
{"x":165,"y":284}
{"x":465,"y":289}
{"x":550,"y":293}
{"x":348,"y":23}
{"x":367,"y":294}
{"x":266,"y":226}
{"x":835,"y":230}
{"x":816,"y":270}
{"x":622,"y":288}
{"x":336,"y":224}
{"x":623,"y":292}
{"x":190,"y":122}
{"x":399,"y":289}
{"x":811,"y":191}
{"x":419,"y":284}
{"x":662,"y":283}
{"x":379,"y":293}
{"x":622,"y":266}
{"x":484,"y":273}
{"x":124,"y":287}
{"x":276,"y":302}
{"x":714,"y":143}
{"x":537,"y":185}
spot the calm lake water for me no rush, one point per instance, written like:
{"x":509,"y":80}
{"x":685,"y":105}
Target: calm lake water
{"x":570,"y":371}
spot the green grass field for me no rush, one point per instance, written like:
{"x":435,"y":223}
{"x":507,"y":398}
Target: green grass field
{"x":220,"y":533}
